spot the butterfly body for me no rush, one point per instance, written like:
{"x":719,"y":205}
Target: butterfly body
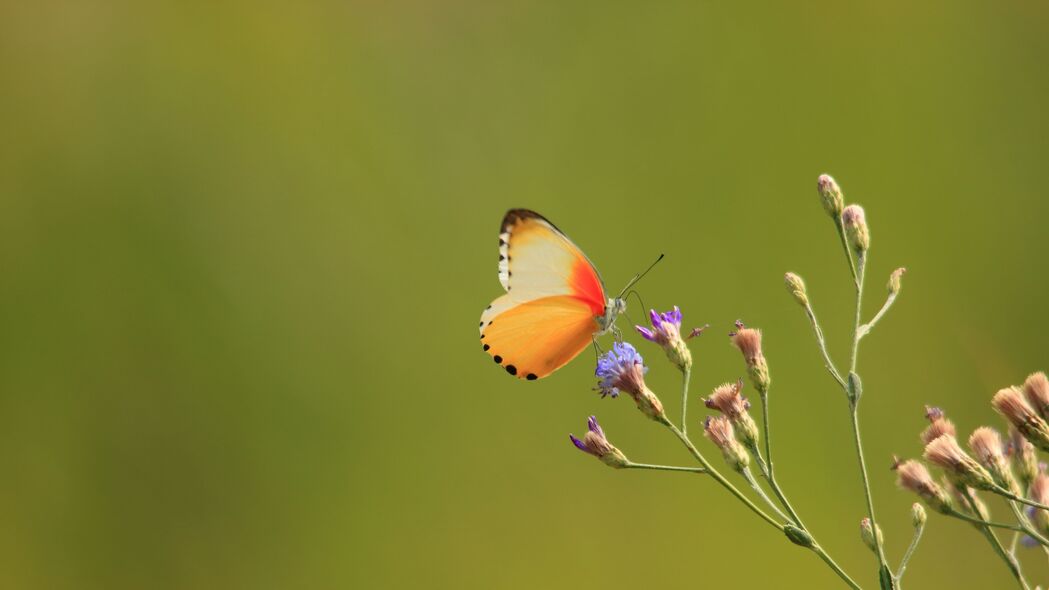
{"x":555,"y":302}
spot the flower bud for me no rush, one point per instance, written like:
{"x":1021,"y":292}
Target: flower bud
{"x":894,"y":280}
{"x":856,"y":229}
{"x":1024,"y":457}
{"x":1040,"y":493}
{"x":726,"y":399}
{"x":871,"y":536}
{"x":1009,"y":402}
{"x":989,"y":451}
{"x":796,"y":287}
{"x":719,"y":430}
{"x":595,"y":443}
{"x":962,"y":469}
{"x":830,"y":195}
{"x":1036,"y":389}
{"x":918,"y":516}
{"x":798,"y":536}
{"x":938,"y":425}
{"x":913,"y":476}
{"x":748,"y":341}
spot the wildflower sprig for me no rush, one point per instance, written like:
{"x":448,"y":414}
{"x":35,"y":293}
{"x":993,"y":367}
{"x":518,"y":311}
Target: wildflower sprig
{"x":1007,"y":468}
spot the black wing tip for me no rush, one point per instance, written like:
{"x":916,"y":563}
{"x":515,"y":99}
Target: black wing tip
{"x":514,"y":216}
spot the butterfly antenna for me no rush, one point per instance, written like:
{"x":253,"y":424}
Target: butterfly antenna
{"x":638,"y":277}
{"x":639,"y":300}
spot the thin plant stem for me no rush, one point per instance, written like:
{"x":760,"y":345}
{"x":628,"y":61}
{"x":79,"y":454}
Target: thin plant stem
{"x":866,"y":328}
{"x":837,"y":568}
{"x":854,"y":411}
{"x":990,"y":523}
{"x":766,"y":472}
{"x":1004,"y":492}
{"x":687,"y":374}
{"x":1010,"y":560}
{"x":664,"y":467}
{"x":717,"y":475}
{"x":848,"y":253}
{"x":821,"y":341}
{"x":910,"y":552}
{"x":1026,"y":525}
{"x":753,"y":483}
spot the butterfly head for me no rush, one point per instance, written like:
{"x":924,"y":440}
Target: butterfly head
{"x":613,"y":308}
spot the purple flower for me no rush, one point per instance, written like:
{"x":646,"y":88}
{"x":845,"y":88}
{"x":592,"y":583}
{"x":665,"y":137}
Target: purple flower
{"x":666,"y":332}
{"x":666,"y":326}
{"x":594,"y":443}
{"x":621,"y":368}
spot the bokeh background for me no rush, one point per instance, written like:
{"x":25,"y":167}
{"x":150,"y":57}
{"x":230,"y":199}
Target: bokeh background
{"x":243,"y":248}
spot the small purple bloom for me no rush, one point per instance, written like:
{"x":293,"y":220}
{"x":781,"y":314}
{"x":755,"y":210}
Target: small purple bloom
{"x":594,"y":443}
{"x":619,"y":367}
{"x":595,"y":430}
{"x":665,"y":328}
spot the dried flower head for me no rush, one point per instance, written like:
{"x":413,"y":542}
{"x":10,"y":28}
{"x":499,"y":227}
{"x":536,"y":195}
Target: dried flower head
{"x":913,"y":476}
{"x":666,"y":332}
{"x":1039,"y":492}
{"x":595,"y":443}
{"x":960,"y":467}
{"x":720,"y":432}
{"x":1023,"y":456}
{"x":987,"y":446}
{"x":1036,"y":388}
{"x":727,"y":399}
{"x":1009,"y":402}
{"x":870,"y":535}
{"x":856,"y":230}
{"x":938,"y":425}
{"x":918,"y":516}
{"x":895,"y":281}
{"x":796,"y":288}
{"x":623,"y":369}
{"x":748,"y":341}
{"x":830,"y":195}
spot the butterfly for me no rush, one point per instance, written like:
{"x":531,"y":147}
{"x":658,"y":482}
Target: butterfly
{"x":555,"y":302}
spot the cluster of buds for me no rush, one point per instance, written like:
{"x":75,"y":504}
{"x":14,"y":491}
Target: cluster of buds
{"x":851,"y":218}
{"x":748,"y":341}
{"x":666,"y":332}
{"x":622,"y":369}
{"x":728,"y":400}
{"x":1011,"y":404}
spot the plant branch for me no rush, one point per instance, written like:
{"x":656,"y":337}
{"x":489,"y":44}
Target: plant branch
{"x":686,"y":375}
{"x":1010,"y":561}
{"x":664,"y":467}
{"x":910,"y":552}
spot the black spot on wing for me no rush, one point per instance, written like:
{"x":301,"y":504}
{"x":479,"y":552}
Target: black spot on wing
{"x":511,"y":369}
{"x":498,"y":360}
{"x":532,"y":377}
{"x":486,"y":347}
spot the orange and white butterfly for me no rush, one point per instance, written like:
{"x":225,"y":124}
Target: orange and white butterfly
{"x":555,"y":302}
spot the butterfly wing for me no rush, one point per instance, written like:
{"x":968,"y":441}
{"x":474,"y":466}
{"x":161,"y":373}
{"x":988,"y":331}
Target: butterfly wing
{"x":533,"y":339}
{"x":553,"y":295}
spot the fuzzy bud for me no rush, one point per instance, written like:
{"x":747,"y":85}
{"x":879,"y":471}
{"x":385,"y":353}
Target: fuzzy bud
{"x":939,"y":425}
{"x":894,"y":281}
{"x":871,"y":535}
{"x":913,"y":476}
{"x":1036,"y":389}
{"x":719,"y":430}
{"x":666,"y":332}
{"x":1024,"y":457}
{"x":960,"y":467}
{"x":918,"y":516}
{"x":748,"y":341}
{"x":1009,"y":402}
{"x":726,"y":399}
{"x":796,"y":288}
{"x":856,"y":229}
{"x":987,"y":445}
{"x":594,"y":443}
{"x":830,"y":195}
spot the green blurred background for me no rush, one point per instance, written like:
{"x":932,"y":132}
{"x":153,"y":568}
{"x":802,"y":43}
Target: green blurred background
{"x":243,"y":248}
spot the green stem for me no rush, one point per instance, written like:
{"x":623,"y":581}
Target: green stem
{"x":1010,"y":561}
{"x":1026,"y":525}
{"x":848,"y":251}
{"x":979,"y":521}
{"x":910,"y":552}
{"x":753,"y":483}
{"x":821,"y":341}
{"x":1004,"y":492}
{"x":664,"y":467}
{"x":718,"y":477}
{"x":837,"y":568}
{"x":684,"y":399}
{"x":866,"y":328}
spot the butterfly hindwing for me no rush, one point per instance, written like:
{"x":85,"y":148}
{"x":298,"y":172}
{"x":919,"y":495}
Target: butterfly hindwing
{"x":533,"y":339}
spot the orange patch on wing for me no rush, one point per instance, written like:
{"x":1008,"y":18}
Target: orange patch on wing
{"x":534,"y":339}
{"x":587,"y":286}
